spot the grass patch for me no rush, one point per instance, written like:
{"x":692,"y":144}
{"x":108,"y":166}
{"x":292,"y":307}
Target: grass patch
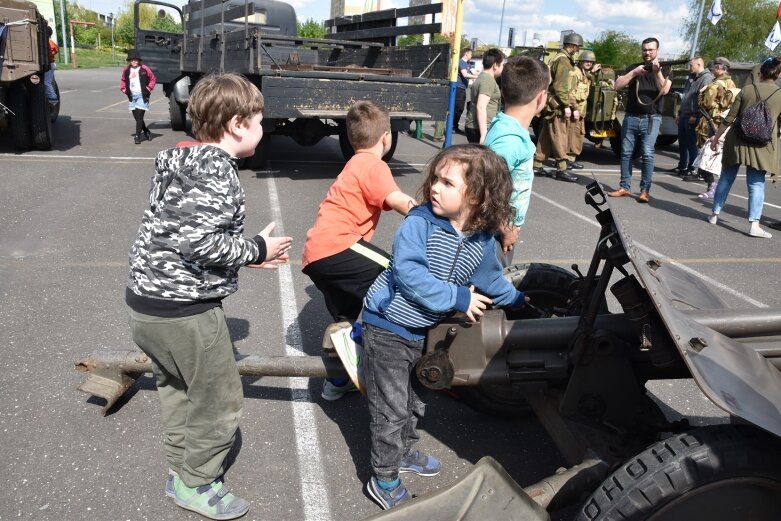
{"x":94,"y":58}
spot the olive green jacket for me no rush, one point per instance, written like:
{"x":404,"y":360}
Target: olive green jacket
{"x":737,"y":151}
{"x":561,"y":90}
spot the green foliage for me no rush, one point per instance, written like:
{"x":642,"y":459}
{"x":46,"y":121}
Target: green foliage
{"x":92,"y":58}
{"x":740,"y":34}
{"x":311,"y":29}
{"x":616,"y":49}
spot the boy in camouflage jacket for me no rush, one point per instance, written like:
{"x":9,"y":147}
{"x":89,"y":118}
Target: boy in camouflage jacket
{"x":184,"y":261}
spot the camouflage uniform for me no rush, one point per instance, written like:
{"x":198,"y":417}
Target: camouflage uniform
{"x":184,"y":261}
{"x":554,"y":137}
{"x":582,"y":81}
{"x":715,"y":99}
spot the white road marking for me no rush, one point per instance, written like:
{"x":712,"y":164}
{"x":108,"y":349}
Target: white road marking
{"x":661,"y":256}
{"x":310,"y":468}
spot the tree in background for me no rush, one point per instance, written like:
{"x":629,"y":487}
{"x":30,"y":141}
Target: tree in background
{"x":616,"y":49}
{"x":740,"y":34}
{"x":311,"y":29}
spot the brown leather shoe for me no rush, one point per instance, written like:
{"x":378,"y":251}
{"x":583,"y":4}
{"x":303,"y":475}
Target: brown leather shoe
{"x":621,"y":192}
{"x":643,"y":197}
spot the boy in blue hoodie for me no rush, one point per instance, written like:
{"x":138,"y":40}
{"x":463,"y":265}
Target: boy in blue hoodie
{"x":443,"y":252}
{"x":525,"y":91}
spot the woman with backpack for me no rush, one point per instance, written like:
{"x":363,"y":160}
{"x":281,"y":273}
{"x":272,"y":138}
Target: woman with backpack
{"x":753,"y":143}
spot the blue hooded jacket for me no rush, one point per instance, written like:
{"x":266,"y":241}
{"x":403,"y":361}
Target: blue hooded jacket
{"x":429,"y":276}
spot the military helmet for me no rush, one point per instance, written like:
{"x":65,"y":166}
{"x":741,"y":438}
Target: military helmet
{"x":587,"y":56}
{"x":573,"y":39}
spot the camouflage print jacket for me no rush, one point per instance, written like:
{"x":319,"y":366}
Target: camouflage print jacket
{"x":715,"y":99}
{"x":190,"y":245}
{"x":561,"y":89}
{"x":581,"y":85}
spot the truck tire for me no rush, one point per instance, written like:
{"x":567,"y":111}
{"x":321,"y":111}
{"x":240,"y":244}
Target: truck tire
{"x":615,"y":141}
{"x":40,"y":117}
{"x":18,"y":102}
{"x":259,"y":160}
{"x":665,"y":141}
{"x":347,"y":148}
{"x":718,"y":473}
{"x":550,"y":288}
{"x":177,"y":113}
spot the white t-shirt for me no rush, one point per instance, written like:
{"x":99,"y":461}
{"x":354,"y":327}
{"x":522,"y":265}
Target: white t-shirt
{"x":135,"y":80}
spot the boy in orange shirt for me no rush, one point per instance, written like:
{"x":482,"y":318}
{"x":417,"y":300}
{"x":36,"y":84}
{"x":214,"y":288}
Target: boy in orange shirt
{"x":337,"y":254}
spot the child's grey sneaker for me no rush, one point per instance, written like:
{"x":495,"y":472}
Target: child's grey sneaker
{"x":333,"y":392}
{"x":213,"y":501}
{"x":420,"y":464}
{"x":387,"y":498}
{"x":170,"y":483}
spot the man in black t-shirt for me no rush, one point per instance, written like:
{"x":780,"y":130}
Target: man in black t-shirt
{"x":647,"y":85}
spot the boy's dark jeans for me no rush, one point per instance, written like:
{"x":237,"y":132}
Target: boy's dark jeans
{"x":394,"y":407}
{"x":201,"y":397}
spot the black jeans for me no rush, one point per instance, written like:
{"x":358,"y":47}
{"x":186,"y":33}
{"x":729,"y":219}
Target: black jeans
{"x":394,"y":407}
{"x":460,"y":102}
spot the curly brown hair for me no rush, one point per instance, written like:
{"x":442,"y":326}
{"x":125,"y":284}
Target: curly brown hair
{"x":488,"y":185}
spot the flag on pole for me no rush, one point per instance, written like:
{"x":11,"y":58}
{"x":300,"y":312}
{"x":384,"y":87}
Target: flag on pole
{"x":774,"y":38}
{"x":778,"y":11}
{"x":715,"y":13}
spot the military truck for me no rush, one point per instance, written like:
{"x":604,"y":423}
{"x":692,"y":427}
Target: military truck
{"x":582,"y":368}
{"x":308,"y":83}
{"x":24,"y":58}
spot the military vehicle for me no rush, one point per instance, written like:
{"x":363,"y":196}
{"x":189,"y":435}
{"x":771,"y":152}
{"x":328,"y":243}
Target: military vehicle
{"x":24,"y":57}
{"x":308,"y":83}
{"x":582,"y":369}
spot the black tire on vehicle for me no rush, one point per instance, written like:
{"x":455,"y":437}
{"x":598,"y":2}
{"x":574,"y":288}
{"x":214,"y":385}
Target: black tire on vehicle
{"x":177,"y":113}
{"x":259,"y":160}
{"x":615,"y":141}
{"x":550,"y":288}
{"x":665,"y":141}
{"x":718,"y":473}
{"x":347,"y":148}
{"x":40,"y":117}
{"x":18,"y":102}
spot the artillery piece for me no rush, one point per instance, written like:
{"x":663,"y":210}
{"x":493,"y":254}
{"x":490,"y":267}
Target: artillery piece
{"x":583,"y":370}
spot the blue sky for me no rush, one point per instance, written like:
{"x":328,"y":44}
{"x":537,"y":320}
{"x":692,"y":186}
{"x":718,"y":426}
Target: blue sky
{"x":638,"y":18}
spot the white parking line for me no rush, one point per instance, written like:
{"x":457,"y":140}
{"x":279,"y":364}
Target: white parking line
{"x":310,"y":467}
{"x":661,"y":256}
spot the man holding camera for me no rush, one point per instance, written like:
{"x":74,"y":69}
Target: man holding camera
{"x":647,"y":85}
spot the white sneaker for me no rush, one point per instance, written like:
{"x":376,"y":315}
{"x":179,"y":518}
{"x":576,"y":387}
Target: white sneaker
{"x":333,"y":392}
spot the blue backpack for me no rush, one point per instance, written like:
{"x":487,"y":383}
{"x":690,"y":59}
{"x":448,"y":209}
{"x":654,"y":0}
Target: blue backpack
{"x":755,"y":125}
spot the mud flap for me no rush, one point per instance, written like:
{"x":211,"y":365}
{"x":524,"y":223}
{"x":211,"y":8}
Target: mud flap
{"x":486,"y":493}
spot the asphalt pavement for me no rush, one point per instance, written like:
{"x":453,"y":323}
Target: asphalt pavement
{"x":68,"y":217}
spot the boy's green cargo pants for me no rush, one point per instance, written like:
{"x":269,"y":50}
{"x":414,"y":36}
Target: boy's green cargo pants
{"x":201,"y":398}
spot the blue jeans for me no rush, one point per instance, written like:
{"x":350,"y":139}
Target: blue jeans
{"x":387,"y":369}
{"x":48,"y":78}
{"x":755,"y":182}
{"x":687,"y":142}
{"x":645,"y":129}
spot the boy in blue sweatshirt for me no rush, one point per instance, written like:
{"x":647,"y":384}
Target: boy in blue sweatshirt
{"x":443,"y":252}
{"x":525,"y":91}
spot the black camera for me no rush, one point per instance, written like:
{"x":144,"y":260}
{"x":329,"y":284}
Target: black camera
{"x":648,"y":66}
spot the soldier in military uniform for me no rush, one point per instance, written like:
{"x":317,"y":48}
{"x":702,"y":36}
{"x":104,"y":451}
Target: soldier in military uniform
{"x":584,"y":79}
{"x":559,"y":112}
{"x":714,"y":99}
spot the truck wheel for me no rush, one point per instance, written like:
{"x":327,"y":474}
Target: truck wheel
{"x":615,"y":141}
{"x":718,"y":473}
{"x":259,"y":160}
{"x":550,"y":289}
{"x":20,"y":126}
{"x":347,"y":148}
{"x":665,"y":141}
{"x":177,"y":113}
{"x":40,"y":117}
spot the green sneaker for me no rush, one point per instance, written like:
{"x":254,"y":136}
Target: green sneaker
{"x":213,"y":501}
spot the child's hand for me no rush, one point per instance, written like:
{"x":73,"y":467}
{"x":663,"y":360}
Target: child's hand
{"x":510,"y":236}
{"x":271,"y":265}
{"x":477,"y":304}
{"x":276,"y":247}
